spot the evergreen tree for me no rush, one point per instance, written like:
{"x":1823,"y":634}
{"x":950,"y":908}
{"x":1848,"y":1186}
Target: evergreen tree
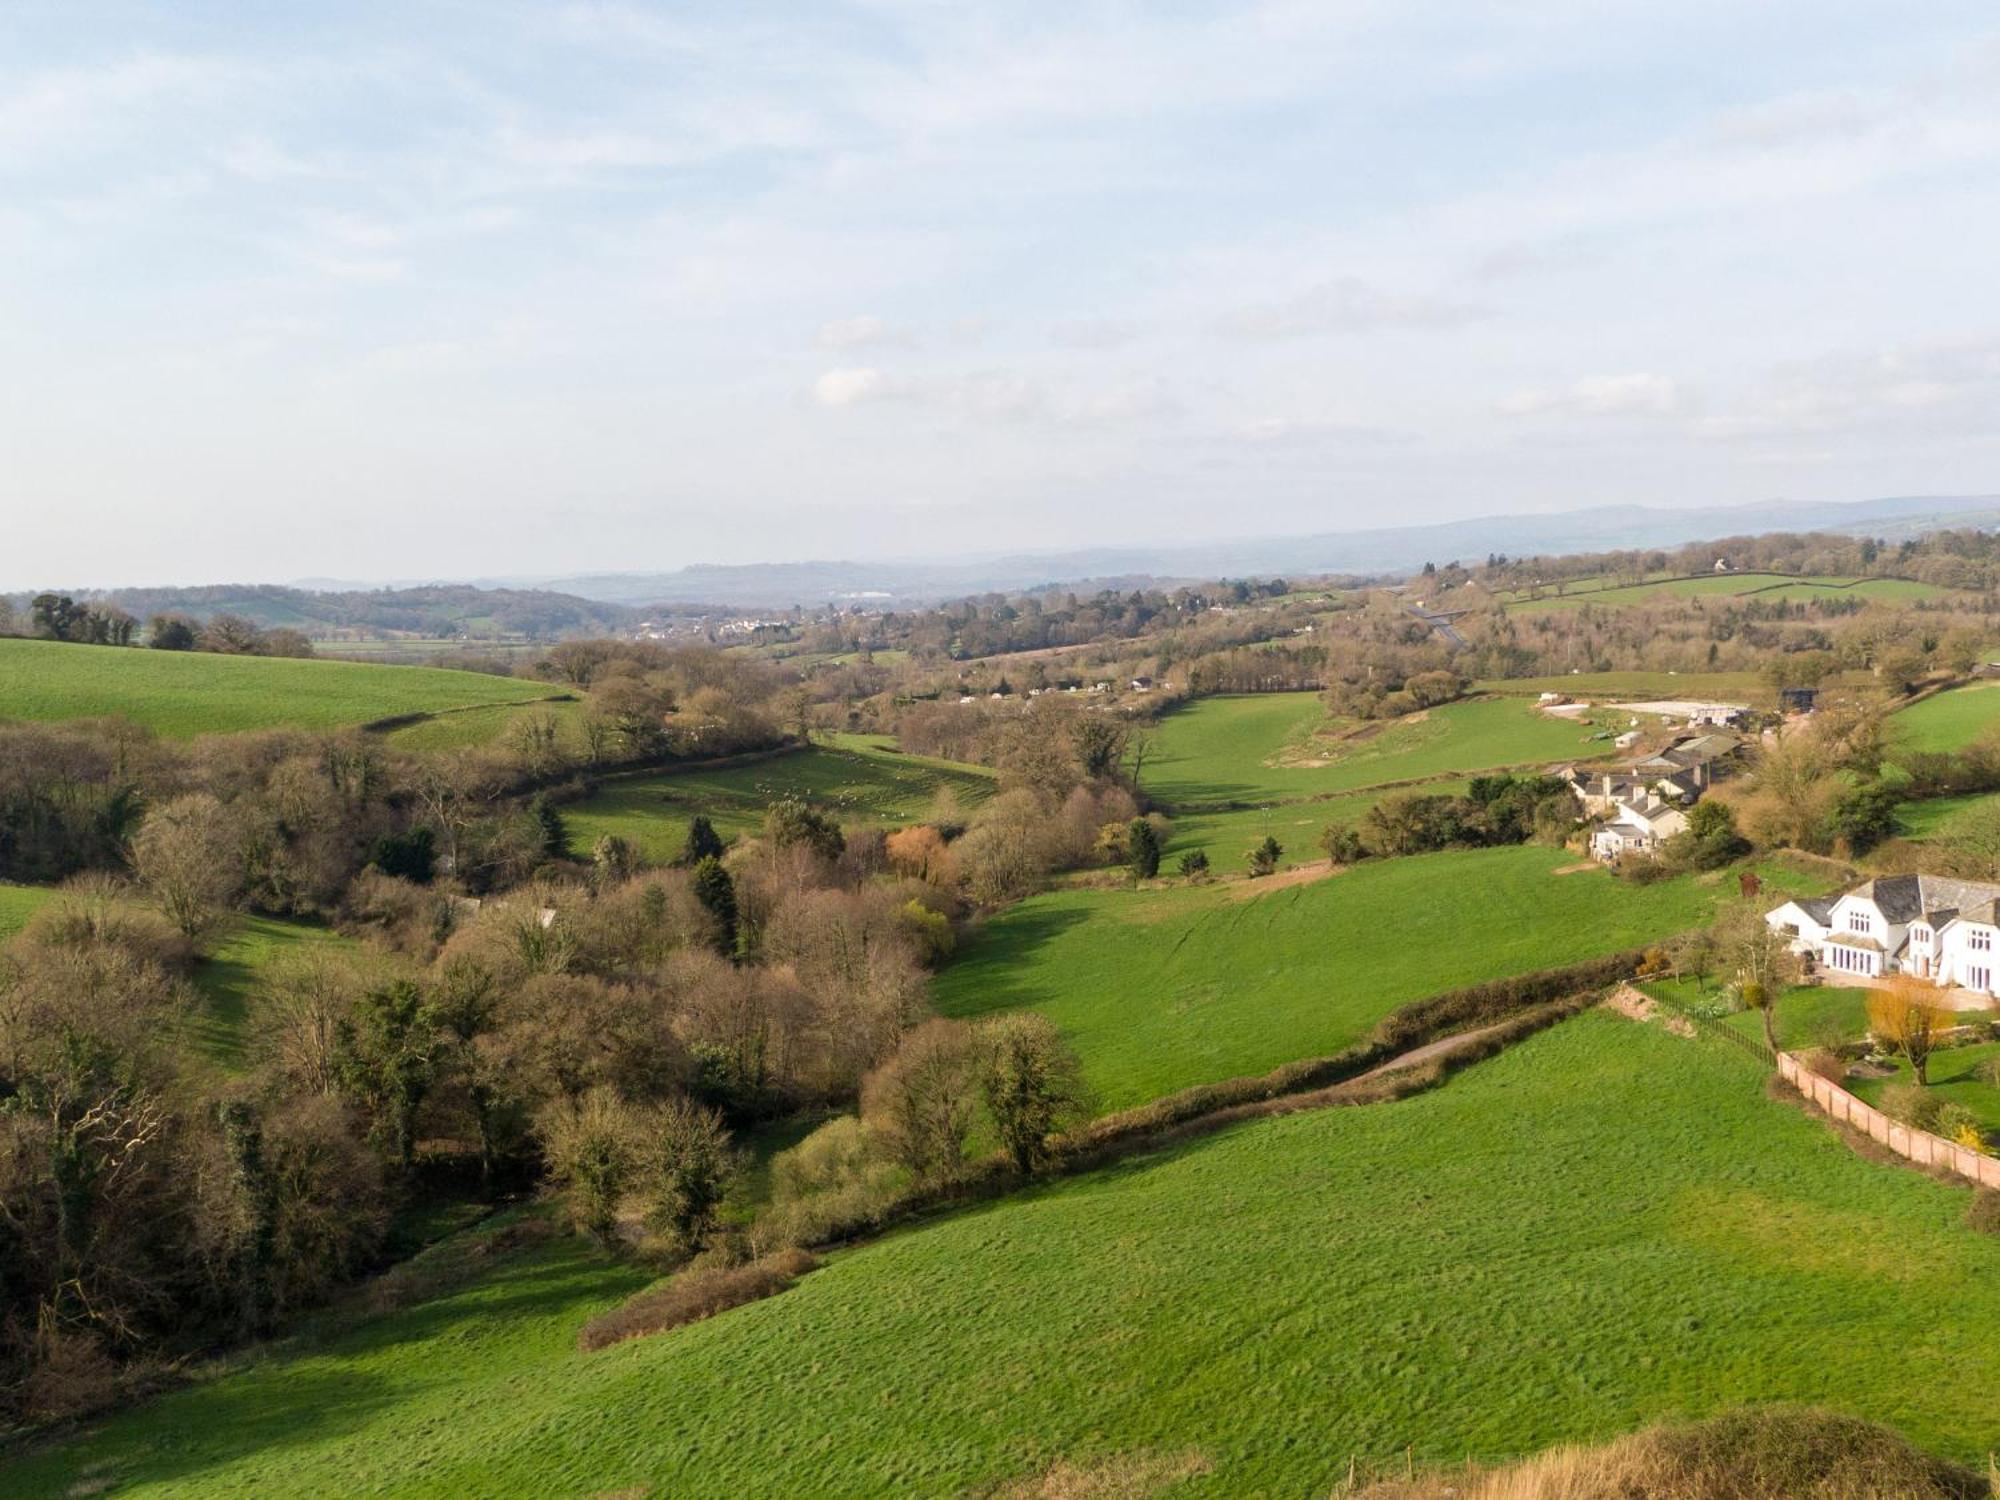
{"x":703,"y":842}
{"x":1142,"y":849}
{"x":717,"y":893}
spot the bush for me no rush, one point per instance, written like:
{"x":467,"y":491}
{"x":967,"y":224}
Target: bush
{"x":1912,"y":1105}
{"x":1194,"y":866}
{"x":694,"y":1295}
{"x":1983,"y":1214}
{"x":1826,"y":1063}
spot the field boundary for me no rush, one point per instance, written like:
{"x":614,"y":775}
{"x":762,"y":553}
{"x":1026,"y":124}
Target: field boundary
{"x":1913,"y":1145}
{"x":393,"y":722}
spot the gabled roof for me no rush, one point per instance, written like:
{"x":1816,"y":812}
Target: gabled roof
{"x":1904,"y":898}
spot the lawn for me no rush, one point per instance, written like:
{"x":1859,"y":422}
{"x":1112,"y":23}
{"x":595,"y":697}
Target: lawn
{"x":1263,"y":747}
{"x":1955,"y":1077}
{"x":1807,"y":1016}
{"x":1951,"y":720}
{"x":487,"y":724}
{"x":183,"y":693}
{"x":1161,"y":989}
{"x":855,"y":780}
{"x":1601,"y":1228}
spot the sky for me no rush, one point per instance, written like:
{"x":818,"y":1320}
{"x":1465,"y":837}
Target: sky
{"x":449,"y":290}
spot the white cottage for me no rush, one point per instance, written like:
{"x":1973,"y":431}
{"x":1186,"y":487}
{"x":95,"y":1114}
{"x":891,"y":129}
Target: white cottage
{"x":1933,"y":927}
{"x":1638,"y":826}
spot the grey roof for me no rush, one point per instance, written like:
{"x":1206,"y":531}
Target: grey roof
{"x":1904,"y":898}
{"x":1819,"y":908}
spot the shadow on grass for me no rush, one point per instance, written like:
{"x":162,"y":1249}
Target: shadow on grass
{"x":998,"y":959}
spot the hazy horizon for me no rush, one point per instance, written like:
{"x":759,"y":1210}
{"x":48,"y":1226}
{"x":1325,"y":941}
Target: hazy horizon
{"x":454,"y":292}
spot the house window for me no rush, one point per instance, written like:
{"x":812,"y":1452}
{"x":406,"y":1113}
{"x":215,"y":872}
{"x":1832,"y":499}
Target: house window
{"x":1919,"y":937}
{"x":1979,"y":942}
{"x":1861,"y":922}
{"x":1979,"y":978}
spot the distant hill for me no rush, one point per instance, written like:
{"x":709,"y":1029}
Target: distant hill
{"x":1390,"y":550}
{"x":438,"y":610}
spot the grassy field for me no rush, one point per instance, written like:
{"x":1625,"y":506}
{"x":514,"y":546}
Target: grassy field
{"x":182,"y":693}
{"x":17,"y":904}
{"x":227,"y":978}
{"x":1603,"y":1227}
{"x":1226,"y":836}
{"x":1955,"y":1077}
{"x":854,"y":779}
{"x":1161,"y":989}
{"x":1951,"y":720}
{"x":1261,"y":747}
{"x":1639,"y":687}
{"x":1760,"y":586}
{"x":487,"y":724}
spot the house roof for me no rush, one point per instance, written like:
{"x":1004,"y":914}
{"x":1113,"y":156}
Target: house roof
{"x":1905,"y":898}
{"x":1852,"y":940}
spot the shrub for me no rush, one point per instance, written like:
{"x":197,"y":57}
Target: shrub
{"x":694,"y":1295}
{"x":1912,"y":1104}
{"x":1983,"y":1214}
{"x":1827,"y":1064}
{"x":1194,"y":865}
{"x":1264,"y":858}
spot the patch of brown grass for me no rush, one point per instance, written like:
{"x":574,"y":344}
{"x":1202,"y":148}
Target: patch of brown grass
{"x":1776,"y":1454}
{"x":694,"y":1295}
{"x":1130,"y":1476}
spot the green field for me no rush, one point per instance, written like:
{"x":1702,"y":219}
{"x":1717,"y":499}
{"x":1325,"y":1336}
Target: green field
{"x":1603,"y":1227}
{"x":183,"y":693}
{"x":1951,"y":720}
{"x":17,"y":904}
{"x":1158,"y":990}
{"x":1225,"y":837}
{"x":1955,"y":1077}
{"x":854,"y":779}
{"x":488,"y":724}
{"x":227,"y":978}
{"x":1259,"y":747}
{"x":1761,"y":586}
{"x":1639,"y":687}
{"x":1940,"y":817}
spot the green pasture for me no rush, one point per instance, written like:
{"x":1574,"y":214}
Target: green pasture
{"x":1160,"y":989}
{"x":488,"y":724}
{"x":1604,"y":1227}
{"x":1639,"y":687}
{"x":17,"y":904}
{"x":181,"y":694}
{"x":226,"y":980}
{"x":1262,"y":747}
{"x":1951,"y":720}
{"x":1957,"y":1076}
{"x":855,"y":781}
{"x":1227,"y":836}
{"x":1765,"y":586}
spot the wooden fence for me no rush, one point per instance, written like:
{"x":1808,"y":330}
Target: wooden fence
{"x":1919,"y":1146}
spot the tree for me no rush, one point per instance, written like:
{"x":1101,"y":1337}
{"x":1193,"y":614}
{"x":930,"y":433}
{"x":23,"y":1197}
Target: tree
{"x":387,"y":1051}
{"x":1194,"y":865}
{"x":702,"y":842}
{"x":57,"y":617}
{"x":717,"y":894}
{"x":1032,"y":1084}
{"x":231,"y":635}
{"x":919,"y":1105}
{"x":1760,"y":958}
{"x":1264,"y":858}
{"x":687,"y":1165}
{"x":1903,"y":1021}
{"x":185,"y":854}
{"x":1142,"y":849}
{"x":612,"y":861}
{"x":170,"y":633}
{"x":594,"y":1151}
{"x":794,"y":822}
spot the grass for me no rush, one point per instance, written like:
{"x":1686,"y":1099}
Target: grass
{"x":1954,"y":1078}
{"x":1604,"y":1227}
{"x":1226,"y":836}
{"x":1759,"y":586}
{"x":1165,"y":988}
{"x":855,"y":780}
{"x":486,"y":724}
{"x":17,"y":904}
{"x":227,"y":979}
{"x":1259,"y":747}
{"x":1640,"y":687}
{"x":181,"y":694}
{"x":1951,"y":720}
{"x":1807,"y":1015}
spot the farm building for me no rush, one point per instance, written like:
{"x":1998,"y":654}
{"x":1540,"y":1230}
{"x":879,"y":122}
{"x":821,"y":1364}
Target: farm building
{"x":1936,"y":928}
{"x":1638,"y":826}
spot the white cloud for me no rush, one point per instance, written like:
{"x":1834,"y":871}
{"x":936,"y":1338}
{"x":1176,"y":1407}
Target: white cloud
{"x":1345,"y":304}
{"x":1635,"y":395}
{"x":864,"y":332}
{"x":854,"y":387}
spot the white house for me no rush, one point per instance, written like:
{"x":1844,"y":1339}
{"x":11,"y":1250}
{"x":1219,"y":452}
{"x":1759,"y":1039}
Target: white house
{"x":1936,"y":928}
{"x":1637,"y":826}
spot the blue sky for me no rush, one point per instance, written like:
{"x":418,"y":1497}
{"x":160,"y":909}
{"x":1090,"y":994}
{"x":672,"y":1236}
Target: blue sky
{"x":453,"y":289}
